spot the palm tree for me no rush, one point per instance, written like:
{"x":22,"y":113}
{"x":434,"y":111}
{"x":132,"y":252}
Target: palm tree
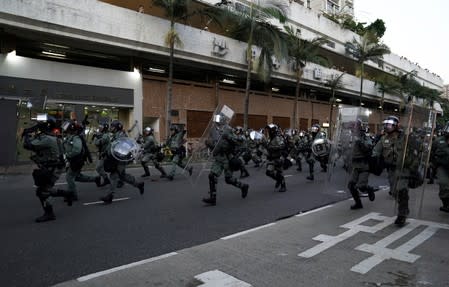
{"x":254,"y":27}
{"x":334,"y":83}
{"x":175,"y":11}
{"x":301,"y":52}
{"x":386,"y":84}
{"x":368,"y":48}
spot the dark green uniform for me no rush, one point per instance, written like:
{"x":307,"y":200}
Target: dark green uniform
{"x":73,"y":149}
{"x":118,"y":171}
{"x":224,"y":162}
{"x":150,"y":152}
{"x":440,"y":160}
{"x":101,"y":141}
{"x":175,"y":142}
{"x":275,"y":147}
{"x":361,"y":151}
{"x":48,"y":157}
{"x":399,"y":167}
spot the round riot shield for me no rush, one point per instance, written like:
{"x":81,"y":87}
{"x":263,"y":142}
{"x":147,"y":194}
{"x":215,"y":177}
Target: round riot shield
{"x":321,"y":148}
{"x":256,"y":136}
{"x":125,"y":149}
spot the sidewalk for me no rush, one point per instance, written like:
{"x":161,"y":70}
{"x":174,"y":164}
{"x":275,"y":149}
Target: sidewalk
{"x":329,"y":246}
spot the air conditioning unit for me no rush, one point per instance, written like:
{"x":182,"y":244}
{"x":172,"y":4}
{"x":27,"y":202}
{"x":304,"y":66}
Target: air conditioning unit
{"x":317,"y":74}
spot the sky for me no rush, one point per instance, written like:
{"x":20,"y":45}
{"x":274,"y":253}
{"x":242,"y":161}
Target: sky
{"x":415,"y":29}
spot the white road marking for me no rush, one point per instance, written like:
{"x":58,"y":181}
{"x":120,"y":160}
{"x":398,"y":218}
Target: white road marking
{"x":101,"y":202}
{"x":115,"y":269}
{"x":354,"y":227}
{"x":216,"y":278}
{"x":313,"y":211}
{"x":288,"y":175}
{"x":379,"y":249}
{"x":247,"y":231}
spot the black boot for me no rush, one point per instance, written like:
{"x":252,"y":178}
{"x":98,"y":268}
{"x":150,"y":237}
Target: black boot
{"x":98,"y":181}
{"x":141,"y":187}
{"x":212,"y":199}
{"x":107,"y":199}
{"x":147,"y":171}
{"x":400,"y":220}
{"x":47,"y":216}
{"x":244,"y":189}
{"x":310,"y":177}
{"x":445,"y":207}
{"x":190,"y":170}
{"x":283,"y":186}
{"x":68,"y":196}
{"x":356,"y":196}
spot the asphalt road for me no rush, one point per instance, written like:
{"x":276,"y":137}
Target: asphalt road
{"x":169,"y":217}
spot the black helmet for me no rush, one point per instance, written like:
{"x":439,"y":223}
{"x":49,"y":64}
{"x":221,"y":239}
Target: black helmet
{"x":272,"y":130}
{"x":103,"y":128}
{"x":148,"y":130}
{"x":390,"y":123}
{"x":315,"y":128}
{"x":238,"y":130}
{"x":70,"y":126}
{"x":47,"y":125}
{"x":174,"y":128}
{"x":116,"y":126}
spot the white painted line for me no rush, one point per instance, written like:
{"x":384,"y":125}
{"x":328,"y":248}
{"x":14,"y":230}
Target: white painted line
{"x":101,"y":202}
{"x":216,"y":278}
{"x":115,"y":269}
{"x":288,"y":175}
{"x":314,"y":210}
{"x":247,"y":231}
{"x":341,"y":191}
{"x":58,"y":183}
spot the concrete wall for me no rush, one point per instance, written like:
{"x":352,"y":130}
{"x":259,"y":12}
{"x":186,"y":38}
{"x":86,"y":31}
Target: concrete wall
{"x":21,"y":67}
{"x":101,"y":22}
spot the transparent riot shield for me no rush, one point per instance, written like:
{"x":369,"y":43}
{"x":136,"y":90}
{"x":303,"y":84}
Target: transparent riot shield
{"x":407,"y":178}
{"x":350,"y":146}
{"x":202,"y":151}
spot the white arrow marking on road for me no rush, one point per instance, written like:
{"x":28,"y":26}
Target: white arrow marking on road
{"x":101,"y":202}
{"x":216,"y":278}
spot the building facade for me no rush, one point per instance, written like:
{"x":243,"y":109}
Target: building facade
{"x":106,"y":60}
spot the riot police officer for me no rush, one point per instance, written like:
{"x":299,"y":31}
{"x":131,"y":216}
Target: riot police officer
{"x":315,"y":134}
{"x":223,"y":143}
{"x":48,"y":155}
{"x":440,"y":160}
{"x":116,"y":168}
{"x":241,"y":149}
{"x":151,"y":152}
{"x":101,"y":141}
{"x":400,"y":167}
{"x":275,"y":147}
{"x":362,"y":146}
{"x":75,"y":150}
{"x":175,"y":143}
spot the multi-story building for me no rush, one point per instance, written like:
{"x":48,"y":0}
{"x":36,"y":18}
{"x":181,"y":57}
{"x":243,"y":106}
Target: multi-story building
{"x":332,"y":7}
{"x":105,"y":60}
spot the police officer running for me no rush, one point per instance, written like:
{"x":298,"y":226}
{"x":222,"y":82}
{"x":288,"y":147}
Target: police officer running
{"x":48,"y":155}
{"x":400,"y":167}
{"x":116,"y":168}
{"x":440,"y":160}
{"x":361,"y":151}
{"x":75,"y":150}
{"x":223,"y":149}
{"x":275,"y":147}
{"x":151,"y":152}
{"x":175,"y":143}
{"x":101,"y":141}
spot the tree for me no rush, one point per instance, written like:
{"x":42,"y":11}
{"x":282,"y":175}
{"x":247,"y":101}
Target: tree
{"x":368,"y":48}
{"x":175,"y":10}
{"x":301,"y":52}
{"x":386,"y":84}
{"x":254,"y":26}
{"x":334,"y":84}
